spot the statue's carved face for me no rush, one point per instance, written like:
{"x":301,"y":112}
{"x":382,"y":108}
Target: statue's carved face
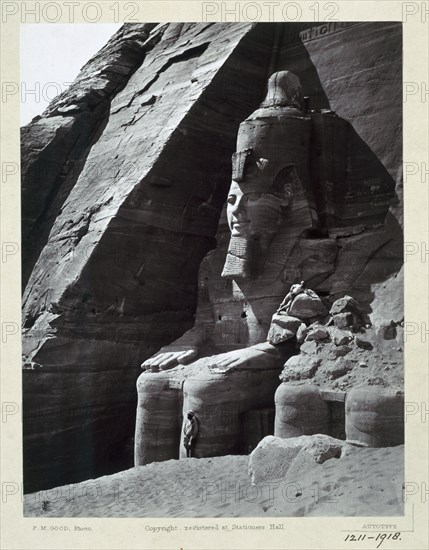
{"x":251,"y":213}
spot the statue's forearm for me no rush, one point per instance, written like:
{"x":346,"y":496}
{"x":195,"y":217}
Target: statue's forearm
{"x":277,"y":354}
{"x":266,"y":347}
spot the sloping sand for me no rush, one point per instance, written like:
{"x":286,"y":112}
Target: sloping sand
{"x":367,"y":482}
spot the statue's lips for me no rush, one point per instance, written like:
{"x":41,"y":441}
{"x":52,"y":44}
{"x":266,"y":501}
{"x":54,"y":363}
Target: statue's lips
{"x":237,"y":225}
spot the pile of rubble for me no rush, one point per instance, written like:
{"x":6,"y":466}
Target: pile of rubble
{"x":339,"y":348}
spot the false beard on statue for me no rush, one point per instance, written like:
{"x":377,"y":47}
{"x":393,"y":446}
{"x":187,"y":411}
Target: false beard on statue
{"x":246,"y":257}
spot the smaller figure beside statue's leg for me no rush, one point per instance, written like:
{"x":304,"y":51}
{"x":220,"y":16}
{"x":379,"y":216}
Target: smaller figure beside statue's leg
{"x":190,"y":433}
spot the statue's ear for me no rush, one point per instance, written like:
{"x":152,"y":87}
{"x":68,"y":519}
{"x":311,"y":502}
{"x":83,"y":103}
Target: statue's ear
{"x":285,"y":184}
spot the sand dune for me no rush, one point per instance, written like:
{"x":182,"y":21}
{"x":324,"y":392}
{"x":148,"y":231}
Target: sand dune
{"x":366,"y":482}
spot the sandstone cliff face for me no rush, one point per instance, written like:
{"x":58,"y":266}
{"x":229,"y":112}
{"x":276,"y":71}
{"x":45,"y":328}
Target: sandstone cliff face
{"x":117,"y":277}
{"x":124,"y":179}
{"x":56,"y":144}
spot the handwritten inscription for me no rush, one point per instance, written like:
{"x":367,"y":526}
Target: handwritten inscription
{"x":378,"y":538}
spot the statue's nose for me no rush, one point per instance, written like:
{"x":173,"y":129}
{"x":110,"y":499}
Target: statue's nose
{"x":239,"y":206}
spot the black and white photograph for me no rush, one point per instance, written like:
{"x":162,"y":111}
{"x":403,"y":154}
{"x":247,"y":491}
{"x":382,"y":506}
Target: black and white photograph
{"x":212,"y":274}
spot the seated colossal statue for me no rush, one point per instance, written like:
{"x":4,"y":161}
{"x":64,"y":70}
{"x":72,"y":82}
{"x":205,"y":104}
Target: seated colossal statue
{"x":223,"y":368}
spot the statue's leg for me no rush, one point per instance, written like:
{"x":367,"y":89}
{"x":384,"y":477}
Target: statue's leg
{"x":220,"y":402}
{"x":300,"y":410}
{"x":158,"y":419}
{"x":375,"y":416}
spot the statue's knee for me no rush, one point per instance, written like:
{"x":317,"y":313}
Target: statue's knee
{"x":375,"y":416}
{"x":300,"y":410}
{"x":158,"y":419}
{"x":221,"y":401}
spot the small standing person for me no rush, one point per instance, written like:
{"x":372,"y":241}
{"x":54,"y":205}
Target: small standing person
{"x":291,"y":295}
{"x":190,"y":433}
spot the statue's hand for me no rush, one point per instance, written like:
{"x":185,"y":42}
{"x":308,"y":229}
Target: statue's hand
{"x":259,"y":356}
{"x":169,"y":357}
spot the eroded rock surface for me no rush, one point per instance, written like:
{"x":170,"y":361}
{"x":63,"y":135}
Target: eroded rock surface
{"x":275,"y":458}
{"x":344,"y":352}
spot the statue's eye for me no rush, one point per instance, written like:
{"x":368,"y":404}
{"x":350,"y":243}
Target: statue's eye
{"x":253,"y":196}
{"x":231,"y":199}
